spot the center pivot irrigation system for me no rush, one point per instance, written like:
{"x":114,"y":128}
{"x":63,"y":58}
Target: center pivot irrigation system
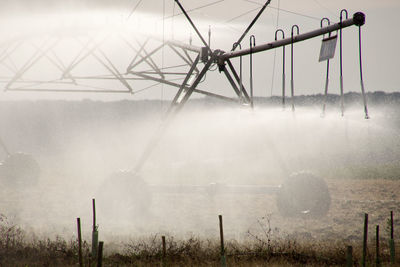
{"x":302,"y":193}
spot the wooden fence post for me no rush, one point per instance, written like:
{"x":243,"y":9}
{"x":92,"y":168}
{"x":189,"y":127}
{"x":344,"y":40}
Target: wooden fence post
{"x":100,"y":254}
{"x":95,"y":233}
{"x":164,"y":252}
{"x":78,"y":221}
{"x":365,"y":240}
{"x":349,"y":256}
{"x":377,"y":259}
{"x":391,"y":241}
{"x":221,"y":234}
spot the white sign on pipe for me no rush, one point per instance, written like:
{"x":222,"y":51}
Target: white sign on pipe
{"x":328,"y":48}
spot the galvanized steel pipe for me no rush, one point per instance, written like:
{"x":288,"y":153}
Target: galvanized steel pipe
{"x":358,"y":20}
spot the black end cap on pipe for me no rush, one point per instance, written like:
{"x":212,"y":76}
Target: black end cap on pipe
{"x":359,"y":18}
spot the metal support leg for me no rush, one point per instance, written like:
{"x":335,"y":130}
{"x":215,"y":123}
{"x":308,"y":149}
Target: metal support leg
{"x":343,"y":11}
{"x":232,"y":82}
{"x":238,"y":80}
{"x":195,"y":83}
{"x":172,"y":112}
{"x":327,"y":73}
{"x":3,"y":146}
{"x":326,"y":89}
{"x":291,"y":61}
{"x":361,"y":76}
{"x":184,"y":83}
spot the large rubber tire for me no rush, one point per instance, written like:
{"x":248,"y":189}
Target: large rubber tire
{"x":19,"y":170}
{"x":123,"y":195}
{"x":304,"y":195}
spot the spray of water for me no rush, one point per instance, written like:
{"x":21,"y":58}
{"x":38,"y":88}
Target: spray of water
{"x":226,"y":145}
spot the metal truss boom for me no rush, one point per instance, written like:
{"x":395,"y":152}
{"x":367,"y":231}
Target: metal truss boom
{"x":198,"y":61}
{"x":222,"y":58}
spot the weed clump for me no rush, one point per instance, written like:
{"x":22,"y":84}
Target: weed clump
{"x":16,"y":249}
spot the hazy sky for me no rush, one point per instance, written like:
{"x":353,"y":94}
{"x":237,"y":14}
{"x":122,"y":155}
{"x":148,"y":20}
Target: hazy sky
{"x":380,"y":37}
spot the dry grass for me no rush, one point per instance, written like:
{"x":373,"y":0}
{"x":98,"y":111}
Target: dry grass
{"x":305,"y":243}
{"x":16,"y":249}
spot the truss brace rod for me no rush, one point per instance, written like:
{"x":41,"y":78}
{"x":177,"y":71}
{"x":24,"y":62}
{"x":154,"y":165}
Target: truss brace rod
{"x":180,"y":55}
{"x":191,"y":48}
{"x":196,"y":81}
{"x":224,"y":98}
{"x":31,"y":62}
{"x":45,"y":90}
{"x":184,"y":83}
{"x":358,"y":20}
{"x":229,"y":77}
{"x":138,"y":53}
{"x":237,"y":77}
{"x":190,"y":59}
{"x":147,"y":56}
{"x":4,"y":147}
{"x":194,"y":26}
{"x":172,"y":112}
{"x":81,"y":55}
{"x":250,"y":26}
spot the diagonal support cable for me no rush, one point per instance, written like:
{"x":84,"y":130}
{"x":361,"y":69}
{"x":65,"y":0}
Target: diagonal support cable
{"x":194,"y":26}
{"x":251,"y":25}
